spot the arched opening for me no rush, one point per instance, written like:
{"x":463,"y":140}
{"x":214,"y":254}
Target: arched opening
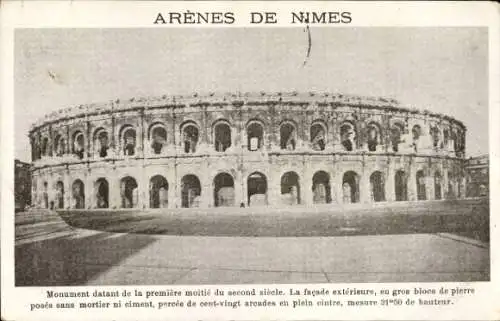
{"x":288,"y":140}
{"x":190,"y":137}
{"x":416,"y":132}
{"x":59,"y":145}
{"x":60,"y":195}
{"x":223,"y":190}
{"x":396,"y":132}
{"x":45,"y":146}
{"x":451,"y":186}
{"x":33,"y":192}
{"x":78,"y":194}
{"x":373,"y":137}
{"x":222,"y":136}
{"x":158,"y":138}
{"x":377,"y":186}
{"x":347,"y":136}
{"x":78,"y":144}
{"x":191,"y":191}
{"x":446,"y":138}
{"x":290,"y":189}
{"x":257,"y":189}
{"x":456,"y":142}
{"x":322,"y":193}
{"x":437,"y":186}
{"x":401,"y":187}
{"x":101,"y":143}
{"x":318,"y":137}
{"x":158,"y":192}
{"x":33,"y":149}
{"x":435,"y":134}
{"x":255,"y":136}
{"x":101,"y":188}
{"x":129,"y":141}
{"x":45,"y":195}
{"x":421,"y":193}
{"x":350,"y":187}
{"x":129,"y":192}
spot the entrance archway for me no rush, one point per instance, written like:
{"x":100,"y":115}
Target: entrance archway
{"x":45,"y":195}
{"x":158,"y":192}
{"x":59,"y":195}
{"x":437,"y":186}
{"x":128,"y":192}
{"x":377,"y":186}
{"x":223,"y":190}
{"x":421,"y":196}
{"x":290,"y":188}
{"x":191,"y":191}
{"x":350,"y":187}
{"x":78,"y":193}
{"x":102,"y":193}
{"x":400,"y":184}
{"x":257,"y":189}
{"x":321,"y":188}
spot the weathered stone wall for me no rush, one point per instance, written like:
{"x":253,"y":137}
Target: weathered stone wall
{"x":356,"y":135}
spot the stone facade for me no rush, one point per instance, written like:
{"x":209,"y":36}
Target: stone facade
{"x":254,"y":149}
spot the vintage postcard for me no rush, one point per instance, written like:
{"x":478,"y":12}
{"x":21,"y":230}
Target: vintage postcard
{"x":249,"y":160}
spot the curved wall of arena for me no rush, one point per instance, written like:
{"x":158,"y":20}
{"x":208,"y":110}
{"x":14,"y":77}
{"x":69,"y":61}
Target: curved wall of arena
{"x":245,"y":150}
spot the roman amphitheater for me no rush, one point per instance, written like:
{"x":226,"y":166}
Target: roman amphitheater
{"x":245,"y":150}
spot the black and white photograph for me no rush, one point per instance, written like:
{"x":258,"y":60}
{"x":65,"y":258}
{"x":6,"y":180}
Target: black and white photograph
{"x":202,"y":156}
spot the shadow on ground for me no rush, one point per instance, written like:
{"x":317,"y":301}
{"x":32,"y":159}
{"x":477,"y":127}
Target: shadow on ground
{"x":468,"y":218}
{"x":69,"y":261}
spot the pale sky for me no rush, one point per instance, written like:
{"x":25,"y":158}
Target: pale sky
{"x":440,"y":69}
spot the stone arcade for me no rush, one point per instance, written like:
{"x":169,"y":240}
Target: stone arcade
{"x":254,"y":149}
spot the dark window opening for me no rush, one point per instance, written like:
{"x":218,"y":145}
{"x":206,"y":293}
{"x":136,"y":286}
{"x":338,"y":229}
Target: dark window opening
{"x":318,"y":137}
{"x":287,"y":137}
{"x":255,"y":135}
{"x":222,"y":137}
{"x":190,"y":139}
{"x":159,"y":138}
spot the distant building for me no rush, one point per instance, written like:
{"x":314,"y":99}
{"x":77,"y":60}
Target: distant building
{"x":22,"y":184}
{"x":477,"y":174}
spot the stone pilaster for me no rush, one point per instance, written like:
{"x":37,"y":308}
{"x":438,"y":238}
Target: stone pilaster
{"x":445,"y":184}
{"x":68,"y":190}
{"x":239,"y":196}
{"x":390,"y":190}
{"x":429,"y":186}
{"x":89,"y":192}
{"x":274,"y":188}
{"x":206,"y":191}
{"x":142,"y":189}
{"x":364,"y":187}
{"x":333,"y":191}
